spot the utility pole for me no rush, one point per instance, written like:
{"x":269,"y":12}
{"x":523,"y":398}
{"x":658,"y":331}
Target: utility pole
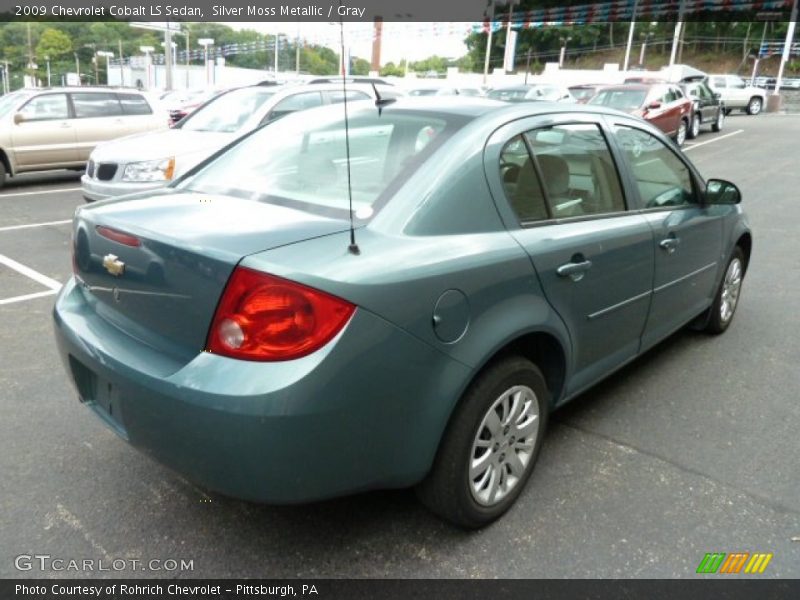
{"x":676,"y":36}
{"x":276,"y":55}
{"x":488,"y":45}
{"x":527,"y":66}
{"x":630,"y":36}
{"x":121,"y":65}
{"x":168,"y":56}
{"x":787,"y":47}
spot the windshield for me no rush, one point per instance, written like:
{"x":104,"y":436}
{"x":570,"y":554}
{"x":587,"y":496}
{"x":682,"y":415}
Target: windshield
{"x":625,"y":100}
{"x":301,"y":160}
{"x":9,"y":101}
{"x":582,"y":93}
{"x":228,"y":112}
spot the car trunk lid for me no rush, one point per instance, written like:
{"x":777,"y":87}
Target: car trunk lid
{"x":157,"y":266}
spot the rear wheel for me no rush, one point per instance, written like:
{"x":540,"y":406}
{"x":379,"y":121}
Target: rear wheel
{"x":719,"y":122}
{"x":754,"y":106}
{"x":727,"y":297}
{"x":694,"y":130}
{"x":490,"y":446}
{"x":3,"y":174}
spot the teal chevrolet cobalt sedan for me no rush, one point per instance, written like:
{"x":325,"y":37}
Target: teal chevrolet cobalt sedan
{"x":325,"y":307}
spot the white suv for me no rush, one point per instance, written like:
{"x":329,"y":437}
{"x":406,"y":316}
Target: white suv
{"x":735,"y":93}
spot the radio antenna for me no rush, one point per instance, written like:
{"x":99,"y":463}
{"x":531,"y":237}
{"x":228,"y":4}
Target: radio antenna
{"x":353,"y":247}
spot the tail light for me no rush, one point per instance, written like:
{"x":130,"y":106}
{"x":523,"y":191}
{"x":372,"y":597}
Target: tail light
{"x":265,"y":318}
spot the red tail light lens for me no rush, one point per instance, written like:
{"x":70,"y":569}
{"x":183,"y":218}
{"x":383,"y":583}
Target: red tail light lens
{"x":266,"y":318}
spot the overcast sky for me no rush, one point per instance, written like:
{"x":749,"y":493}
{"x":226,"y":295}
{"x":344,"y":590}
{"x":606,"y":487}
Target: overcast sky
{"x":413,"y":41}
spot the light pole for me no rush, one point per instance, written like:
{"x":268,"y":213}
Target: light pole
{"x":630,"y":36}
{"x":47,"y":62}
{"x":148,"y":67}
{"x":564,"y":42}
{"x":488,"y":45}
{"x":645,"y":37}
{"x":77,"y":67}
{"x":170,"y":59}
{"x":205,"y":43}
{"x":108,"y":56}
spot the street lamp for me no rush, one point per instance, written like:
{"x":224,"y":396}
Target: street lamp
{"x":148,"y":67}
{"x":47,"y":62}
{"x":205,"y":43}
{"x":563,"y":51}
{"x":108,"y":56}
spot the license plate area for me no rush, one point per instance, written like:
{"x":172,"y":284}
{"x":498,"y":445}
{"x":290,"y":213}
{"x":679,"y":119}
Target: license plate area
{"x":100,"y":395}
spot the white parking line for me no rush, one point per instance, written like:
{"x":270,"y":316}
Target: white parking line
{"x":28,"y":272}
{"x":31,"y":225}
{"x":28,"y":297}
{"x":716,"y":139}
{"x":58,"y":191}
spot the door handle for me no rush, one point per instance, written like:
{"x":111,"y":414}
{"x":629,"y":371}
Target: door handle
{"x":575,"y":269}
{"x":670,"y":244}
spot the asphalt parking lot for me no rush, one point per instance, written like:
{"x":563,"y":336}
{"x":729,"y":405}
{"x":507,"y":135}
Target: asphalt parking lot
{"x":691,"y":449}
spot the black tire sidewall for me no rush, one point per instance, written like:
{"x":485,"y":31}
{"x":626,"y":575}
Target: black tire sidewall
{"x":715,"y":323}
{"x":450,"y":474}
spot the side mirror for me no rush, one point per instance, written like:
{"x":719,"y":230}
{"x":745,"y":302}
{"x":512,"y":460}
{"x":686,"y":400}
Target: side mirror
{"x":18,"y":118}
{"x":719,"y":191}
{"x":654,"y":105}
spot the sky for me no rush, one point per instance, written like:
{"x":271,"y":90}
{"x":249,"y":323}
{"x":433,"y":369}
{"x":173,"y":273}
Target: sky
{"x":411,"y":41}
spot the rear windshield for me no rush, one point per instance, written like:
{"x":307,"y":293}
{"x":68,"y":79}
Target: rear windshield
{"x":301,"y":160}
{"x":228,"y":112}
{"x":625,"y":100}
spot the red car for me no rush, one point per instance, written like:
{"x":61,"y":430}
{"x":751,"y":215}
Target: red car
{"x":662,"y":104}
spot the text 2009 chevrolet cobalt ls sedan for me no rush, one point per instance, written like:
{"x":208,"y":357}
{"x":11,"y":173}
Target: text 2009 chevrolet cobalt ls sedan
{"x":508,"y":257}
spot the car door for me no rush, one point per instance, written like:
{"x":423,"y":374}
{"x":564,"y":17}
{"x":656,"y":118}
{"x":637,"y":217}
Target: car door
{"x":45,"y":137}
{"x":593,"y":257}
{"x":687,"y":234}
{"x":737,"y":90}
{"x":98,"y":118}
{"x":719,"y":85}
{"x":663,"y":117}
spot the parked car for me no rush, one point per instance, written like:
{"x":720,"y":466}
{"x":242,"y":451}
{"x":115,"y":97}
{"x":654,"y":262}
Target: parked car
{"x":528,"y":93}
{"x":736,"y":94}
{"x":443,"y":90}
{"x":583,"y":93}
{"x":239,"y":327}
{"x":57,"y":128}
{"x":146,"y":162}
{"x":662,"y":104}
{"x":707,"y":107}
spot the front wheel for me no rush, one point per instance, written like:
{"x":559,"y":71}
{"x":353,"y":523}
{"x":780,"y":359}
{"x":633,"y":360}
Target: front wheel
{"x":490,"y":446}
{"x":754,"y":106}
{"x":727,"y":297}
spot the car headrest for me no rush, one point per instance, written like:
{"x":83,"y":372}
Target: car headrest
{"x":555,"y":172}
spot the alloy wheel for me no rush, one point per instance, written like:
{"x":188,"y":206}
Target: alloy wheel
{"x":504,"y":445}
{"x":731,"y":286}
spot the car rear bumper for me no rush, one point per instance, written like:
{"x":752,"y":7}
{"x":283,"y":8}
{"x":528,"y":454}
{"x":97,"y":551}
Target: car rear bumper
{"x":95,"y":190}
{"x":366,"y":411}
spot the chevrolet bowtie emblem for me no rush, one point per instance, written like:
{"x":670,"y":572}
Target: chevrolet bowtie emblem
{"x":113,"y":265}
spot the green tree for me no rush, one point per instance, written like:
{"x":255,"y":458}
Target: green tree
{"x":54,"y":44}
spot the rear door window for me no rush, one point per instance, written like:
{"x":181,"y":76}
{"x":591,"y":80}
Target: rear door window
{"x":134,"y":104}
{"x":95,"y":104}
{"x":293,"y":103}
{"x":559,"y":172}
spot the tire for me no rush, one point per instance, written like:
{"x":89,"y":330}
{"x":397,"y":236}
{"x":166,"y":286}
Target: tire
{"x":3,"y":174}
{"x":727,"y":297}
{"x":694,"y":129}
{"x":754,"y":106}
{"x":728,"y":111}
{"x":511,"y":386}
{"x":680,"y":135}
{"x":719,"y":121}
